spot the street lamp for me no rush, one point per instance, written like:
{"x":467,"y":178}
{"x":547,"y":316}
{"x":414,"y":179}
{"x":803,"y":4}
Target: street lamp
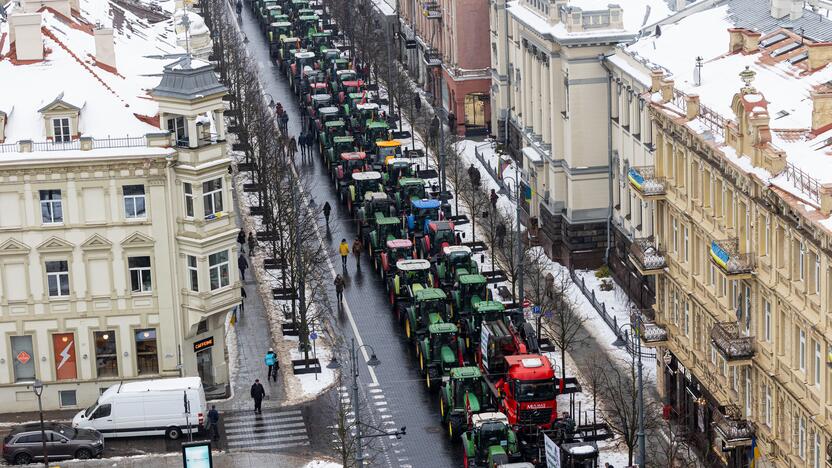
{"x":37,"y":387}
{"x":619,"y":341}
{"x":519,"y":240}
{"x":372,"y":362}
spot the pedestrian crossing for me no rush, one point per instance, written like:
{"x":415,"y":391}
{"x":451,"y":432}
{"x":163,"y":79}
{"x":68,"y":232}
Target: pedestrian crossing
{"x":271,"y":431}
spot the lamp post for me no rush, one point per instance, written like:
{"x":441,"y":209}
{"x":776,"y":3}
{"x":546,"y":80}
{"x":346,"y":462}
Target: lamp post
{"x":519,"y":238}
{"x":37,"y":387}
{"x":620,"y":342}
{"x":372,"y":362}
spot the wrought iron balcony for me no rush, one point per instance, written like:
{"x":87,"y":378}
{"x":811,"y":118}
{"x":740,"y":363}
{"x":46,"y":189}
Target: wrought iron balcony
{"x":433,"y":58}
{"x":732,"y":428}
{"x":730,"y":343}
{"x":726,"y":255}
{"x":646,"y":256}
{"x":646,"y":183}
{"x":431,"y":10}
{"x":651,"y":333}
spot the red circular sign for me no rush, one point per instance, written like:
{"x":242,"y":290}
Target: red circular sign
{"x":23,"y":357}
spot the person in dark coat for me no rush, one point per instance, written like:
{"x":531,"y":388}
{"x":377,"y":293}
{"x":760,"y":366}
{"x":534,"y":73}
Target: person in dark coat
{"x":339,"y":289}
{"x":494,"y":198}
{"x":252,"y":243}
{"x":293,"y":148}
{"x":243,"y":265}
{"x":327,"y":210}
{"x":214,"y":421}
{"x":474,"y":175}
{"x":302,"y":144}
{"x":241,"y":239}
{"x":501,"y":234}
{"x":257,"y":393}
{"x":357,"y":247}
{"x":309,"y":141}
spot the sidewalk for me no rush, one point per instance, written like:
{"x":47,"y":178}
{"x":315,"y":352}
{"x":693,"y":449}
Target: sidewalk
{"x":220,"y":460}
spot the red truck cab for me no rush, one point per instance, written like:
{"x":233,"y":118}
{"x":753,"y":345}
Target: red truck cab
{"x":529,"y":391}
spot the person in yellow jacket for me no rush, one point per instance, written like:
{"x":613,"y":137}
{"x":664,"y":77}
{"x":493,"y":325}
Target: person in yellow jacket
{"x":344,"y":250}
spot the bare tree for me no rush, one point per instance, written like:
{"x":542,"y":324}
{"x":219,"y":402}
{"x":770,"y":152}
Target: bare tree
{"x":668,"y":445}
{"x":343,"y":431}
{"x":563,"y":323}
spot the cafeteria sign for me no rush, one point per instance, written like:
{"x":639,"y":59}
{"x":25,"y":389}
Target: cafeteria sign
{"x":204,"y":344}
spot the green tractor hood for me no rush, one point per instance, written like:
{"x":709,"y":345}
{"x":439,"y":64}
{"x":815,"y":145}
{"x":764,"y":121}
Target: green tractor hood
{"x":497,"y":456}
{"x":473,"y":402}
{"x":434,"y":317}
{"x":448,"y":355}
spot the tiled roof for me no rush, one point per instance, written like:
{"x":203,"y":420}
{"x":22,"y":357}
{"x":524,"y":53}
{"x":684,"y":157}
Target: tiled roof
{"x":756,"y":15}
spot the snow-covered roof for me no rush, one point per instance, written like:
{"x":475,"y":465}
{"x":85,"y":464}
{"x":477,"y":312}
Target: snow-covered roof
{"x":113,"y":103}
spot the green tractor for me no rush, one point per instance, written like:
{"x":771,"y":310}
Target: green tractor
{"x":317,"y":101}
{"x":362,"y":183}
{"x":374,"y":130}
{"x":343,"y":76}
{"x":396,"y":169}
{"x":377,"y":205}
{"x":411,"y":275}
{"x":430,"y":306}
{"x":440,"y":351}
{"x":438,"y":235}
{"x":470,"y":290}
{"x":277,"y":32}
{"x":380,"y":231}
{"x":470,"y":325}
{"x":490,"y":442}
{"x":329,"y":132}
{"x":307,"y":25}
{"x":327,"y":114}
{"x":455,"y":260}
{"x":463,"y":395}
{"x":286,"y":51}
{"x":350,"y":163}
{"x":410,"y":189}
{"x":333,"y":150}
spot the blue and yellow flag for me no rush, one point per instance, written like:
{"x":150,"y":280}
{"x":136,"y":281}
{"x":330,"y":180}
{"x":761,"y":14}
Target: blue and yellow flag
{"x":755,"y":453}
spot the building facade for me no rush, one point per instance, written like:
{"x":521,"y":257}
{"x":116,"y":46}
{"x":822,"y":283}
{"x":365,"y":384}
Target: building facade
{"x":446,"y":51}
{"x":116,"y":254}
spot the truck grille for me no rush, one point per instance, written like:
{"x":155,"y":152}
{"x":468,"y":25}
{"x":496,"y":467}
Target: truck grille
{"x":535,"y":416}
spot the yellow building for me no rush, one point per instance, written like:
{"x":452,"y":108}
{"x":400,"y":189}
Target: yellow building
{"x":742,"y":186}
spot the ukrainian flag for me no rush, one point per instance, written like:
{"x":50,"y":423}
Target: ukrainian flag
{"x":755,"y":452}
{"x":527,"y":192}
{"x":719,"y":255}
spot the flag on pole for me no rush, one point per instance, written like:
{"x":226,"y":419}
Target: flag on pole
{"x":755,"y":453}
{"x":364,"y":97}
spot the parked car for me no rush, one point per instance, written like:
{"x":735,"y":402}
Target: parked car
{"x":24,"y":443}
{"x":146,"y":408}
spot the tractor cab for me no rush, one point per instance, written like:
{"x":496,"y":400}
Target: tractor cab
{"x":421,"y":213}
{"x":410,"y":189}
{"x":411,"y":275}
{"x":393,"y":251}
{"x":265,"y":8}
{"x":366,"y":111}
{"x":396,"y":169}
{"x":352,"y":86}
{"x":336,"y":147}
{"x":381,"y":229}
{"x":344,"y":76}
{"x":440,"y":234}
{"x":287,"y":45}
{"x":375,"y":130}
{"x":440,"y":351}
{"x":462,"y":396}
{"x":362,"y":183}
{"x":316,"y":101}
{"x":490,"y":442}
{"x":455,"y":260}
{"x":377,"y":206}
{"x":350,"y":163}
{"x":430,"y":306}
{"x":308,"y":24}
{"x":329,"y":132}
{"x":471,"y":290}
{"x":341,"y":64}
{"x":484,"y":311}
{"x":327,"y":114}
{"x":277,"y":31}
{"x":386,"y":150}
{"x":273,"y":14}
{"x":321,"y":39}
{"x":298,"y":5}
{"x":301,"y":64}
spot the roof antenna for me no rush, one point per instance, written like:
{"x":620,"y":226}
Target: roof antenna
{"x":186,"y":23}
{"x":697,"y":72}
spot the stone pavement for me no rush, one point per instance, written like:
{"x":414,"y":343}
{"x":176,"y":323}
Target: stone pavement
{"x":220,"y":460}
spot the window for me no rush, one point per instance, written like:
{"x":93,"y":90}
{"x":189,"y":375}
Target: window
{"x":686,"y":324}
{"x":51,"y":210}
{"x":767,"y":412}
{"x":801,"y":437}
{"x":767,"y":236}
{"x":102,"y":411}
{"x":34,"y":438}
{"x":818,"y":364}
{"x":713,"y":354}
{"x":67,"y":398}
{"x":801,"y":359}
{"x":176,"y":126}
{"x":685,"y":243}
{"x":748,"y":393}
{"x":711,"y":275}
{"x":801,"y":264}
{"x":23,"y":356}
{"x":193,"y":273}
{"x":212,"y":198}
{"x":147,"y":357}
{"x":675,"y":236}
{"x":57,"y":278}
{"x":218,"y":270}
{"x":189,"y":199}
{"x":60,"y":127}
{"x":134,"y":201}
{"x":767,"y":320}
{"x":139,"y":274}
{"x":816,"y":450}
{"x":106,"y":359}
{"x":817,"y":274}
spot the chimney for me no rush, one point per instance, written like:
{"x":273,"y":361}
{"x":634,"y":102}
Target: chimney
{"x":75,"y":5}
{"x":25,"y":35}
{"x":656,"y":76}
{"x":692,"y":106}
{"x":667,"y":90}
{"x":820,"y":55}
{"x":821,"y":108}
{"x":616,"y":16}
{"x":750,"y":41}
{"x":782,"y":8}
{"x":735,"y":41}
{"x":105,"y":54}
{"x":825,"y":193}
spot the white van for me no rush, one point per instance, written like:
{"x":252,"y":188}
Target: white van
{"x":147,"y":407}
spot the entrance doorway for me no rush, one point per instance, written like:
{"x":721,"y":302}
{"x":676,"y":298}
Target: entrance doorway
{"x":475,"y":109}
{"x":205,"y":367}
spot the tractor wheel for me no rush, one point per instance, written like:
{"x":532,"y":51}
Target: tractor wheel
{"x":421,"y":360}
{"x":442,"y":409}
{"x":427,"y":379}
{"x":407,"y":331}
{"x":451,"y":431}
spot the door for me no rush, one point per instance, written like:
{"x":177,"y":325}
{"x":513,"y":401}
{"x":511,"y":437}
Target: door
{"x":205,"y":367}
{"x":59,"y":446}
{"x":102,"y":420}
{"x":129,"y":415}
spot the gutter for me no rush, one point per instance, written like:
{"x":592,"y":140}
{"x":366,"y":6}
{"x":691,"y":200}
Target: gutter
{"x":602,"y":59}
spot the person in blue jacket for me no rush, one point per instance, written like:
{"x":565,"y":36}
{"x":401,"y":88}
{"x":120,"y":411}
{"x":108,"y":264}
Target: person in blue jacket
{"x":272,"y":364}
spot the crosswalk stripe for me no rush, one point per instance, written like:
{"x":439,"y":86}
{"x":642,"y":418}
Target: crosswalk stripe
{"x":274,"y":432}
{"x":271,"y":448}
{"x":270,"y":440}
{"x":256,"y":421}
{"x":293,"y":425}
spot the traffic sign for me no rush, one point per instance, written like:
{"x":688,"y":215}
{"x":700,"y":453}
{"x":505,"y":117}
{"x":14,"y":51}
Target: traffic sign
{"x":536,"y":309}
{"x":313,"y":336}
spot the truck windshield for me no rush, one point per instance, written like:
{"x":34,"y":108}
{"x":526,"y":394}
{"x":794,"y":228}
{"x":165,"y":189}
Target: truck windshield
{"x":89,"y":410}
{"x":535,"y":391}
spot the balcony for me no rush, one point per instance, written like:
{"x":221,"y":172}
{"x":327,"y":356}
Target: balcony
{"x":731,"y":344}
{"x":726,"y":255}
{"x":646,"y":183}
{"x":433,"y":58}
{"x":646,"y":256}
{"x":431,"y":10}
{"x":732,"y":429}
{"x":651,"y":333}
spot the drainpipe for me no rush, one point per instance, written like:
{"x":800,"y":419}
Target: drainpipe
{"x":602,"y":60}
{"x":508,"y":74}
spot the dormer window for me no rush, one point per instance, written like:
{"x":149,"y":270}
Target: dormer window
{"x":176,"y":125}
{"x":60,"y":130}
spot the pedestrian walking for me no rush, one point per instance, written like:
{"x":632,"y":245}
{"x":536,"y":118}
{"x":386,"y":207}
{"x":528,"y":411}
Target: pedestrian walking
{"x":494,"y":198}
{"x":357,"y":246}
{"x":241,"y":239}
{"x":239,"y":7}
{"x":272,"y":364}
{"x":284,"y":122}
{"x":308,"y":142}
{"x":301,"y":139}
{"x":339,"y":289}
{"x":243,"y":265}
{"x":501,"y":234}
{"x":474,"y":175}
{"x":252,"y":243}
{"x":213,"y":423}
{"x":257,"y":394}
{"x":243,"y":297}
{"x":327,"y":210}
{"x":344,"y":250}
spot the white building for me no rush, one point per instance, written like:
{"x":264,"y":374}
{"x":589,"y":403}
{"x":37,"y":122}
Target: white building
{"x":117,"y":239}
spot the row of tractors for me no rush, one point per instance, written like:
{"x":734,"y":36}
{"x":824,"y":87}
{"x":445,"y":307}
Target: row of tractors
{"x":496,"y":387}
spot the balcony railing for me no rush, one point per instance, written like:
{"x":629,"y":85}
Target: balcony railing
{"x":726,"y":254}
{"x":647,"y":256}
{"x":731,"y":343}
{"x":645,"y":181}
{"x":732,"y":428}
{"x":433,"y":58}
{"x":651,"y":333}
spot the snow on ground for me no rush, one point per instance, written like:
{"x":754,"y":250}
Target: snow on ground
{"x":322,"y":464}
{"x":314,"y":384}
{"x":617,"y":303}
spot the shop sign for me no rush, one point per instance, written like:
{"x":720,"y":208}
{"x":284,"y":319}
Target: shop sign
{"x":203,"y":344}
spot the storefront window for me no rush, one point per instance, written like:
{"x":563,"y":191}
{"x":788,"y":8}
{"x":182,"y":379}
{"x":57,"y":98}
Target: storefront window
{"x":63,"y":345}
{"x":106,"y":358}
{"x":23,"y":357}
{"x":147,"y":356}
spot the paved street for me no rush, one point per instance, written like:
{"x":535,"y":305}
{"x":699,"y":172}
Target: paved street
{"x":272,"y":430}
{"x":407,"y":402}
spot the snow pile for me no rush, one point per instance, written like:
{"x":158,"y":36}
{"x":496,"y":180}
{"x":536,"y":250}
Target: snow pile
{"x":322,"y":464}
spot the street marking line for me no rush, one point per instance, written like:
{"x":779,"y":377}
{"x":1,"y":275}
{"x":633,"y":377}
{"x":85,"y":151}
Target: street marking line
{"x":262,"y":440}
{"x":239,"y":428}
{"x":277,"y":432}
{"x":272,"y":422}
